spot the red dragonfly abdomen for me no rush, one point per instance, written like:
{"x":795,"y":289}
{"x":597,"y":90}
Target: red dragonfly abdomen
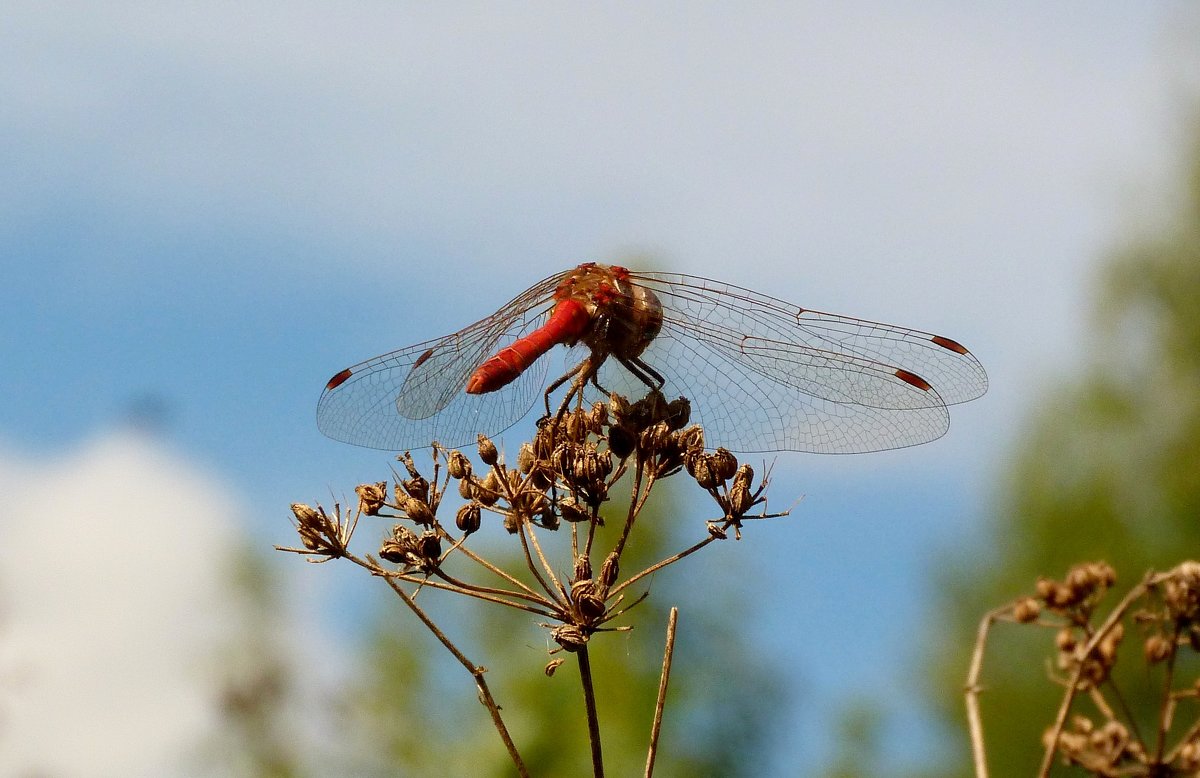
{"x":566,"y":324}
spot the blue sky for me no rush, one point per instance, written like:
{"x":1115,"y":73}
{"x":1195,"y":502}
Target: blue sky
{"x":207,"y":209}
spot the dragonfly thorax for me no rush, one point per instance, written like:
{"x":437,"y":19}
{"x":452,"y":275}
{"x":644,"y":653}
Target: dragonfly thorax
{"x":624,"y":316}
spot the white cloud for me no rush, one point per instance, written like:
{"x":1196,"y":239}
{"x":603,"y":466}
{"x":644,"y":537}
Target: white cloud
{"x":112,"y":600}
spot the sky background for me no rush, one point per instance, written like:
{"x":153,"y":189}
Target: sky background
{"x":206,"y":209}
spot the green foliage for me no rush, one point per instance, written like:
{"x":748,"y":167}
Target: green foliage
{"x":1109,"y":468}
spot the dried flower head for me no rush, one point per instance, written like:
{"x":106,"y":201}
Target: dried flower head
{"x":322,"y":534}
{"x":371,"y":497}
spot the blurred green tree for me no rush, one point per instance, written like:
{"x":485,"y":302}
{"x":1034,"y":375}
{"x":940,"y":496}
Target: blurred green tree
{"x":1107,"y":469}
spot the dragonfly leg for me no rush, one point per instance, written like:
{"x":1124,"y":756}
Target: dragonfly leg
{"x":644,"y":373}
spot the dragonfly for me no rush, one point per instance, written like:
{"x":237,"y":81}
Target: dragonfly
{"x":762,"y":375}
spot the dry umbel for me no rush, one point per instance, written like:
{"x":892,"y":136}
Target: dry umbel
{"x":559,"y":483}
{"x":1163,"y":608}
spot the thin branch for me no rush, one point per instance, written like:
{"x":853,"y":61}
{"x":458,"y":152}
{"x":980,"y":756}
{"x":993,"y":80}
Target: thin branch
{"x":485,"y":694}
{"x":1060,"y":720}
{"x":668,"y":654}
{"x":1164,"y":713}
{"x":498,"y":571}
{"x":634,"y":505}
{"x":974,"y":719}
{"x":549,"y":568}
{"x":661,"y":564}
{"x":589,"y":702}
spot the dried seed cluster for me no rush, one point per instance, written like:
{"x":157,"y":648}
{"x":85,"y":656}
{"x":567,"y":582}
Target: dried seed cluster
{"x":1168,"y":613}
{"x":562,"y":477}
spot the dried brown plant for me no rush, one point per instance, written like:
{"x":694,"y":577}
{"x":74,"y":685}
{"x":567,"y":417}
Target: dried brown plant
{"x":1164,"y":607}
{"x":561,"y":480}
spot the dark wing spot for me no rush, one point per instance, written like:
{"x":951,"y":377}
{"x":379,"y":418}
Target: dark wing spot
{"x":338,"y":380}
{"x":913,"y":378}
{"x":953,"y":345}
{"x":421,"y":359}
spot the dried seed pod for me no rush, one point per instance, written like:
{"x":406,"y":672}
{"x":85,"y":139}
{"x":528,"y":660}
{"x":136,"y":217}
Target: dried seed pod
{"x":704,"y":473}
{"x":744,"y":475}
{"x":655,"y":437}
{"x":740,"y":499}
{"x":583,"y":568}
{"x":724,"y":463}
{"x":610,"y":570}
{"x":371,"y":497}
{"x":467,"y":489}
{"x":488,"y":491}
{"x":598,"y":418}
{"x":417,"y":488}
{"x":692,"y":438}
{"x":563,"y":459}
{"x":392,"y":551}
{"x":305,"y":514}
{"x":429,"y":547}
{"x":553,"y":665}
{"x":487,"y":451}
{"x":468,"y":518}
{"x":588,"y":598}
{"x":525,"y":458}
{"x":618,"y":406}
{"x":679,"y":413}
{"x":400,"y":547}
{"x":530,"y":503}
{"x":604,"y":460}
{"x":540,"y":477}
{"x":586,"y":468}
{"x":1026,"y":610}
{"x":418,"y":511}
{"x":621,"y":442}
{"x":458,"y":465}
{"x":570,"y":637}
{"x":1157,"y":648}
{"x":310,"y":525}
{"x":576,"y":425}
{"x":572,"y":511}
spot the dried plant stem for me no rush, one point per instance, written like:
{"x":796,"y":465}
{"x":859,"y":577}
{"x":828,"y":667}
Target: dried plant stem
{"x":549,"y":568}
{"x":502,"y":573}
{"x":635,"y":505}
{"x":533,"y":568}
{"x":974,"y":719}
{"x":668,"y":654}
{"x":499,"y":594}
{"x":1192,"y":732}
{"x":661,"y":564}
{"x":485,"y":694}
{"x":589,"y":702}
{"x":1164,"y":713}
{"x":1064,"y":709}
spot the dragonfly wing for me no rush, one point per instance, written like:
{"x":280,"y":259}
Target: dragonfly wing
{"x":411,"y":397}
{"x":832,"y":357}
{"x":745,"y":412}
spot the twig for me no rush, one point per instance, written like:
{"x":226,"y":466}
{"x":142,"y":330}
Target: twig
{"x":661,"y":564}
{"x":1115,"y":616}
{"x":589,"y":702}
{"x":974,"y":720}
{"x":668,"y":654}
{"x":485,"y":694}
